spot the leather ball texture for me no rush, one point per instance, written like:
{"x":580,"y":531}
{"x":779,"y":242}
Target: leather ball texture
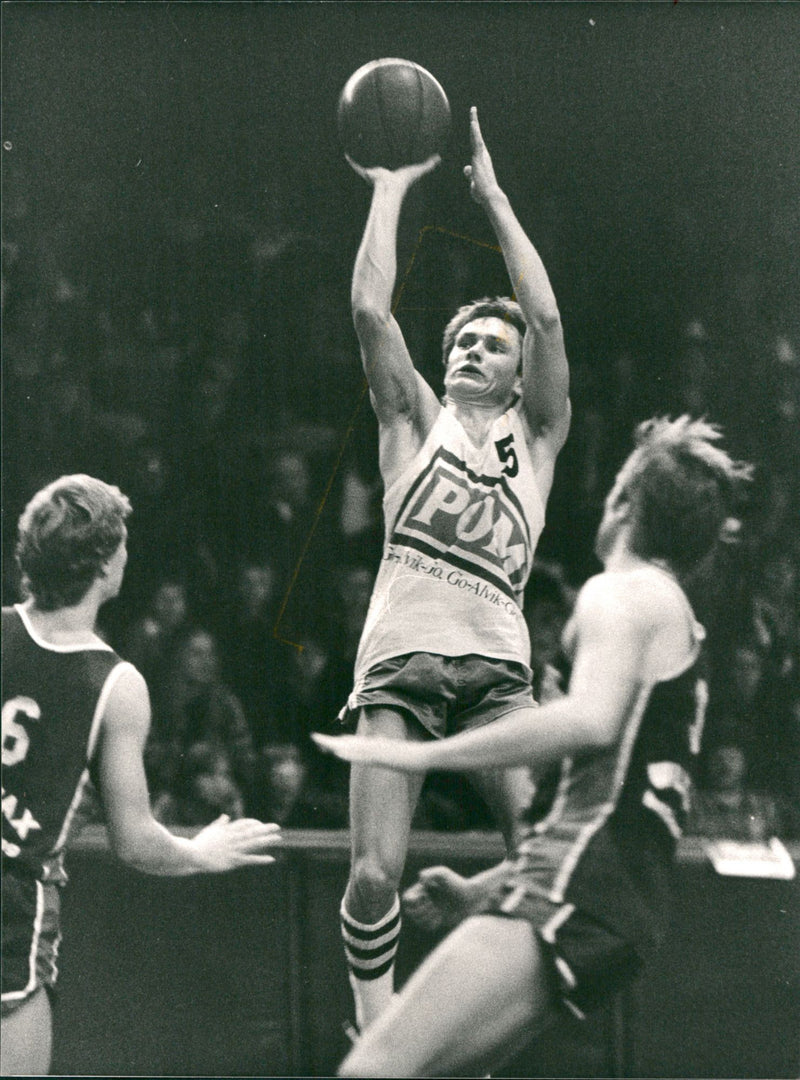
{"x":392,"y":113}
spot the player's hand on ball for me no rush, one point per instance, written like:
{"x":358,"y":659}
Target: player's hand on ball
{"x":366,"y":750}
{"x":228,"y":845}
{"x":480,"y":173}
{"x":405,"y":176}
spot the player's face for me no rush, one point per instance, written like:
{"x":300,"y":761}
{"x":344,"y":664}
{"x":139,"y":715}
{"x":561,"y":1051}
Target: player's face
{"x":614,"y":515}
{"x":484,"y":363}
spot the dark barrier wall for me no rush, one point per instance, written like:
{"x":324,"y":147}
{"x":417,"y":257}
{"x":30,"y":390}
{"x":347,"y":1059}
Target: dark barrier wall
{"x":243,"y":975}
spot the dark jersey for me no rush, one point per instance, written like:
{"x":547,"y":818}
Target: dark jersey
{"x":605,"y":841}
{"x":53,"y":702}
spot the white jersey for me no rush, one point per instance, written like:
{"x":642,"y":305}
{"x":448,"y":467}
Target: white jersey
{"x":461,"y":527}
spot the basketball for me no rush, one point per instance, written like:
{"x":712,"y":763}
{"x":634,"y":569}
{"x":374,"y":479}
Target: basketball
{"x":392,"y":113}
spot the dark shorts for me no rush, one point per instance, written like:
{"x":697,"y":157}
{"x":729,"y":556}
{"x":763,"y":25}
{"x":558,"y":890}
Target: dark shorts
{"x":446,"y":694}
{"x":31,"y":936}
{"x":587,"y":962}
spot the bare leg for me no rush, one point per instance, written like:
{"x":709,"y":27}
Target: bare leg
{"x":469,"y":1006}
{"x":382,"y":804}
{"x":27,"y":1038}
{"x":381,"y":808}
{"x":441,"y":898}
{"x":508,"y":794}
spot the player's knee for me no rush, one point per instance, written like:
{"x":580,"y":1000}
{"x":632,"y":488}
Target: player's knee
{"x":368,"y":1063}
{"x":374,"y":880}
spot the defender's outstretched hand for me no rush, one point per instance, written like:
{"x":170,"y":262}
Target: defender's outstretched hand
{"x":438,"y":900}
{"x":365,"y":750}
{"x":482,"y":181}
{"x":405,"y":176}
{"x":228,"y":845}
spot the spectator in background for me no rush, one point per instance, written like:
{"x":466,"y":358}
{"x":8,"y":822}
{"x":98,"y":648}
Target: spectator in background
{"x":736,"y":703}
{"x":775,"y":612}
{"x":359,"y":512}
{"x":296,"y":793}
{"x":253,"y":661}
{"x":315,"y":682}
{"x":349,"y":598}
{"x":726,"y":808}
{"x":282,"y":781}
{"x":204,"y":788}
{"x":548,"y":604}
{"x":158,"y":532}
{"x":193,"y":705}
{"x":286,"y":517}
{"x":209,"y":465}
{"x":151,"y":637}
{"x":775,"y":615}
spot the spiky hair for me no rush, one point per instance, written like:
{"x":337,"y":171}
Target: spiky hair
{"x":682,"y":488}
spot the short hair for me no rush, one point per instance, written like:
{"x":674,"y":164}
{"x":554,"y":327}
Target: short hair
{"x":682,"y":489}
{"x":66,"y":533}
{"x":499,"y":307}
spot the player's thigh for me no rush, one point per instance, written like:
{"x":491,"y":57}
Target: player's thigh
{"x":472,"y":1002}
{"x":382,"y":801}
{"x":26,"y":1038}
{"x":507,"y":793}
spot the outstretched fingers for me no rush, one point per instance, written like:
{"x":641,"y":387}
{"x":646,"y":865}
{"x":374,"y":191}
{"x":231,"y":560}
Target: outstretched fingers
{"x":475,"y":133}
{"x":331,"y":744}
{"x":252,"y":838}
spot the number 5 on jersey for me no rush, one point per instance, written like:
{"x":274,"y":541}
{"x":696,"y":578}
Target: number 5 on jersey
{"x":508,"y":455}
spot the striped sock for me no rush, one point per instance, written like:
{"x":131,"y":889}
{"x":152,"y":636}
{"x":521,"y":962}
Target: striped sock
{"x":370,"y":950}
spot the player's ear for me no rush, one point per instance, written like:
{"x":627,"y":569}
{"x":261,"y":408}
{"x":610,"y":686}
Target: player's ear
{"x":619,"y":505}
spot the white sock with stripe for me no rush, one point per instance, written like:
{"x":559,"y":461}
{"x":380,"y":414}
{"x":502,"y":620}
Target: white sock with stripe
{"x":370,"y":949}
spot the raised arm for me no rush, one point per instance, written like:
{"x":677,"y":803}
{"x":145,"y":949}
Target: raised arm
{"x":545,"y":373}
{"x":396,"y":389}
{"x":606,"y":676}
{"x":135,"y":836}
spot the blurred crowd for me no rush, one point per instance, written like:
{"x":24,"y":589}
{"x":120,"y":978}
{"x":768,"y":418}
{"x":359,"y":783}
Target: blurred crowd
{"x":211,"y":372}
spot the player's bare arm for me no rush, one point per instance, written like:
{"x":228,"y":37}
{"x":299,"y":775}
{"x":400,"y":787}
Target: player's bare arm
{"x":610,"y":655}
{"x":545,"y":372}
{"x":405,"y":405}
{"x":135,"y":836}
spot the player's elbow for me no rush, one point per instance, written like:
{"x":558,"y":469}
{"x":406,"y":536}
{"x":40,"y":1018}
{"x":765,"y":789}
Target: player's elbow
{"x":601,"y":731}
{"x":547,"y":320}
{"x":129,"y":845}
{"x":596,"y":727}
{"x":369,"y":318}
{"x":125,"y":849}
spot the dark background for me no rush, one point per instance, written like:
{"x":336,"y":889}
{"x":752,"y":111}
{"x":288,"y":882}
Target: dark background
{"x":610,"y":124}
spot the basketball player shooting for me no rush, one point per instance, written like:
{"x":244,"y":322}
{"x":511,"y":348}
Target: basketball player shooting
{"x":445,"y":646}
{"x":569,"y":920}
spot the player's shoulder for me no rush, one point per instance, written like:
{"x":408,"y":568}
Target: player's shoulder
{"x":127,"y":694}
{"x":643,"y":597}
{"x":549,"y":433}
{"x":543,"y":441}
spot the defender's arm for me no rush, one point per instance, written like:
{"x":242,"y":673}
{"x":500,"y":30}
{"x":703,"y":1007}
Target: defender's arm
{"x":134,"y":834}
